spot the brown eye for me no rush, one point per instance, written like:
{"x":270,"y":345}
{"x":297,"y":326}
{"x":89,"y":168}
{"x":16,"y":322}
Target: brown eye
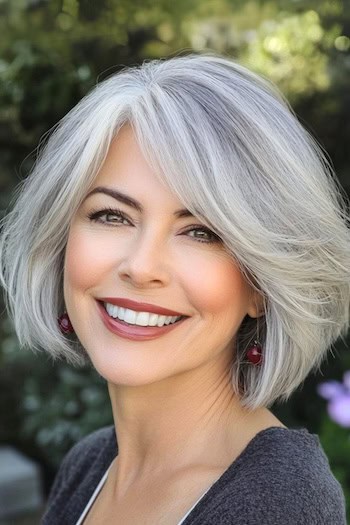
{"x":202,"y":234}
{"x":109,"y":217}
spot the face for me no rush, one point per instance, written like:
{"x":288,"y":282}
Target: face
{"x":129,"y":242}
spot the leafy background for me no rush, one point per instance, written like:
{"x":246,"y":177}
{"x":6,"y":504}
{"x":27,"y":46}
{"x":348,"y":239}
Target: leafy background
{"x":51,"y":54}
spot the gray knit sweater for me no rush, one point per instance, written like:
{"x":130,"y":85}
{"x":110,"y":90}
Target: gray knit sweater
{"x":281,"y":478}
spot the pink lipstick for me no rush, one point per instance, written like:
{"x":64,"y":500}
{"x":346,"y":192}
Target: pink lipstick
{"x":139,"y":307}
{"x":135,"y":332}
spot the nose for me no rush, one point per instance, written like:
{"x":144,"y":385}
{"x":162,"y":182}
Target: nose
{"x":144,"y":263}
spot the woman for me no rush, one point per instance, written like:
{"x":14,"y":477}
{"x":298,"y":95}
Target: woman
{"x":191,"y":239}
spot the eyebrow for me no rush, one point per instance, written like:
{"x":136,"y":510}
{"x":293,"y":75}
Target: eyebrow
{"x":129,"y":201}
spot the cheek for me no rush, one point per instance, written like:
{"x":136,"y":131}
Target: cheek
{"x":217,"y":285}
{"x":87,"y":259}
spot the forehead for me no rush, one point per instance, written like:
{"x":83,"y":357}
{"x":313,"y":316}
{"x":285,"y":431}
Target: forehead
{"x":126,"y":164}
{"x":126,"y":170}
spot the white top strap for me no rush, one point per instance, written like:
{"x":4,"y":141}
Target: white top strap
{"x":93,"y":497}
{"x":99,"y":487}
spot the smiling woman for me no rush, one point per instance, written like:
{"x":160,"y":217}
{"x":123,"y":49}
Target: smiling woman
{"x":148,"y":248}
{"x":192,"y":240}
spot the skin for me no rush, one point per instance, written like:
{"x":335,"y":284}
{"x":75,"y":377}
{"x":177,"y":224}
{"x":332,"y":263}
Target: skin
{"x":174,"y":408}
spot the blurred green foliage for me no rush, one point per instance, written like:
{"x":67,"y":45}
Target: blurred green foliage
{"x":336,"y":443}
{"x":52,"y":52}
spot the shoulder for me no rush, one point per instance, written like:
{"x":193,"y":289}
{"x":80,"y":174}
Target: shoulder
{"x":79,"y":473}
{"x":83,"y":453}
{"x":283,"y":476}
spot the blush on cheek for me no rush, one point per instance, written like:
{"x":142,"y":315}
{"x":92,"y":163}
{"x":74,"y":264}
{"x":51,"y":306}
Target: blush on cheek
{"x":215,"y":284}
{"x":87,"y":258}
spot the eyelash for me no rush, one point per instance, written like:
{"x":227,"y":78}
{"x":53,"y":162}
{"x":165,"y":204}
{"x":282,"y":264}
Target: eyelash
{"x":95,"y":216}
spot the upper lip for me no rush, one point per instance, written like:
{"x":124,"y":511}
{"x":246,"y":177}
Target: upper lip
{"x":139,"y":307}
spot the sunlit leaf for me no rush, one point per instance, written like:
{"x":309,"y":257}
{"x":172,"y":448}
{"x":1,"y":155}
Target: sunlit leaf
{"x":71,"y":7}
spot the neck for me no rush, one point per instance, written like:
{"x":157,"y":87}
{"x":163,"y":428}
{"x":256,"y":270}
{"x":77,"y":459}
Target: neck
{"x":183,"y":421}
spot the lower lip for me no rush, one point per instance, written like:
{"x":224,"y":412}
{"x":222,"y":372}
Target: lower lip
{"x":135,"y":332}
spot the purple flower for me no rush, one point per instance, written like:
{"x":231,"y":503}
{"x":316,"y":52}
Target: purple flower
{"x":338,"y":397}
{"x":346,"y":380}
{"x":330,"y":389}
{"x":339,"y":410}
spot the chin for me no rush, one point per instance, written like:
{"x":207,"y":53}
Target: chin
{"x":122,"y":373}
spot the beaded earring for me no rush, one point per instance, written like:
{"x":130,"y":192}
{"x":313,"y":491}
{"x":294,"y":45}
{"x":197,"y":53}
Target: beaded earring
{"x":65,"y":324}
{"x":254,"y":353}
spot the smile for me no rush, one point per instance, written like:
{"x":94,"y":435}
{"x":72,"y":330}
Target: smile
{"x":137,"y":326}
{"x":139,"y":318}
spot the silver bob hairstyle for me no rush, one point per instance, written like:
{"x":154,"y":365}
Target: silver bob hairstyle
{"x":227,"y":144}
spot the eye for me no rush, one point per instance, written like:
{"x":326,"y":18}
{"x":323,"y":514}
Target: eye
{"x":109,"y":216}
{"x":203,"y":234}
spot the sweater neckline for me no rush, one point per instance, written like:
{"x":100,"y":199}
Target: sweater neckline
{"x":227,"y":473}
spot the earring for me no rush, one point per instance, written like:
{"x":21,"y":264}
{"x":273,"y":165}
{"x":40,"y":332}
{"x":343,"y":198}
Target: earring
{"x":65,"y":324}
{"x":254,"y":353}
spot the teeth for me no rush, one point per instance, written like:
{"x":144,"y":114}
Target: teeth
{"x":121,"y":313}
{"x":161,"y":320}
{"x":153,"y":319}
{"x":115,"y":311}
{"x":139,"y":318}
{"x":130,"y":316}
{"x":110,"y":309}
{"x":142,"y":319}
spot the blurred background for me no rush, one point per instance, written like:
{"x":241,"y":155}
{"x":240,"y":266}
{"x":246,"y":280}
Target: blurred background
{"x":52,"y":52}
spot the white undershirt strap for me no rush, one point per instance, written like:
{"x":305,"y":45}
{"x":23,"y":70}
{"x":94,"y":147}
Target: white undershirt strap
{"x":99,"y":487}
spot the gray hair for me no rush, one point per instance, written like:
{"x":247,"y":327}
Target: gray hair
{"x":228,"y":145}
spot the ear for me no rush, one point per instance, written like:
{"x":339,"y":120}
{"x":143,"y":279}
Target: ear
{"x":256,"y":307}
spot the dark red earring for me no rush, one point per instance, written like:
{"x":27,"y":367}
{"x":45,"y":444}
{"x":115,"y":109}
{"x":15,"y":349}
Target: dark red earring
{"x":65,"y":324}
{"x":254,"y":353}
